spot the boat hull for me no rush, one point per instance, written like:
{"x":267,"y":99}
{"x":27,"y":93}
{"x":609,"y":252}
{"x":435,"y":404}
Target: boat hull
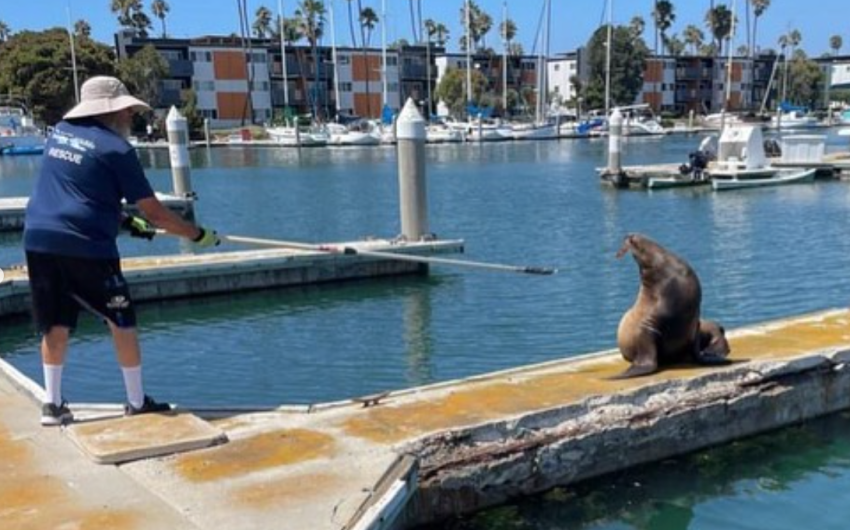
{"x":780,"y":178}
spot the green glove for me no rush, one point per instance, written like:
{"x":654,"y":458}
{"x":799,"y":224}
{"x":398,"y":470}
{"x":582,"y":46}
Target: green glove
{"x":207,"y":238}
{"x":138,"y":227}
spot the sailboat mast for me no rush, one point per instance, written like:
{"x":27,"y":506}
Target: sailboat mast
{"x":283,"y":55}
{"x":73,"y":56}
{"x":608,"y":57}
{"x":334,"y":59}
{"x":384,"y":52}
{"x":468,"y":56}
{"x":544,"y":86}
{"x":728,"y":93}
{"x":505,"y":57}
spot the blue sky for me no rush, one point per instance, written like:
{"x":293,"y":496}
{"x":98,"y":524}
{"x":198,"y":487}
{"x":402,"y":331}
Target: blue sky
{"x":573,"y":21}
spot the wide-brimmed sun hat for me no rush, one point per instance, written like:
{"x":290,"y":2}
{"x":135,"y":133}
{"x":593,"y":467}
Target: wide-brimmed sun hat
{"x":103,"y":95}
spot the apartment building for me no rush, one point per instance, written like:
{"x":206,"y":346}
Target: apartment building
{"x":561,"y":72}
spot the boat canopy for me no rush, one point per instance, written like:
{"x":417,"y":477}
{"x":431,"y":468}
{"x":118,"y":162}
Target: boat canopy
{"x":741,"y":145}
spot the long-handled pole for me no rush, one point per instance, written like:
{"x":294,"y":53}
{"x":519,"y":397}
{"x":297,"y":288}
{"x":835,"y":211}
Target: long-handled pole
{"x":354,"y":251}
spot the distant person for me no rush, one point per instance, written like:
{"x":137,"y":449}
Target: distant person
{"x":72,"y":221}
{"x":149,"y":131}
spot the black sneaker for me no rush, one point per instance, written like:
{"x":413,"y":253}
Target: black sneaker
{"x":148,"y":406}
{"x":52,"y":414}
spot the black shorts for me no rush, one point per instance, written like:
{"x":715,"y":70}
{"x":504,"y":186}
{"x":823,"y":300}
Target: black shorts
{"x":61,"y":285}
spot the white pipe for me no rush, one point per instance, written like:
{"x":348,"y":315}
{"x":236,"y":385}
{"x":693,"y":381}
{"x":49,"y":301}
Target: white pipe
{"x":334,"y":59}
{"x":468,"y":56}
{"x":505,"y":57}
{"x":608,"y":57}
{"x":384,"y":53}
{"x":283,"y":55}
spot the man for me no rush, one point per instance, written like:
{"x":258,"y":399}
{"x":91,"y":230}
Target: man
{"x":72,"y":221}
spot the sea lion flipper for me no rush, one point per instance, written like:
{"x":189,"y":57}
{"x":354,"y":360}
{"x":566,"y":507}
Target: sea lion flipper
{"x":637,"y":370}
{"x":712,"y":359}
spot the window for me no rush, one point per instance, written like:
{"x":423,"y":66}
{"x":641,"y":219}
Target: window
{"x":392,"y":87}
{"x":171,"y":84}
{"x":256,"y":58}
{"x":170,"y":55}
{"x":209,"y":113}
{"x":343,"y":59}
{"x":345,"y":87}
{"x":260,"y":86}
{"x":203,"y":86}
{"x":557,"y":67}
{"x":201,"y":57}
{"x":392,"y":60}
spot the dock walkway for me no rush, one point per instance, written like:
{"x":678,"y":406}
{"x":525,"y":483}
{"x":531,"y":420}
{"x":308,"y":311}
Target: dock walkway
{"x":475,"y":442}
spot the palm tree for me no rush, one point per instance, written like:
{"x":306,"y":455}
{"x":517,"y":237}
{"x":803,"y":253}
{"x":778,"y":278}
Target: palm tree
{"x":759,"y":7}
{"x":719,"y":23}
{"x":663,"y":15}
{"x":694,"y":37}
{"x":82,"y":29}
{"x":160,"y":8}
{"x":836,"y":42}
{"x":351,"y":24}
{"x":262,"y":25}
{"x":130,"y":15}
{"x":311,"y":23}
{"x":5,"y":32}
{"x":441,"y":32}
{"x":368,"y":19}
{"x":637,"y":25}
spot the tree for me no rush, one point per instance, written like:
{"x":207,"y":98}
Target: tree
{"x":675,"y":45}
{"x":452,"y":90}
{"x":663,"y":15}
{"x":368,"y":19}
{"x":351,"y":24}
{"x":5,"y":32}
{"x":637,"y":25}
{"x":160,"y":9}
{"x":628,"y":62}
{"x":836,"y":42}
{"x":718,"y":20}
{"x":694,"y":37}
{"x":131,"y":15}
{"x":759,"y":7}
{"x":262,"y":25}
{"x":507,"y":30}
{"x":37,"y":66}
{"x":311,"y":23}
{"x":194,"y":120}
{"x":480,"y":23}
{"x":805,"y":81}
{"x":82,"y":29}
{"x":143,"y":73}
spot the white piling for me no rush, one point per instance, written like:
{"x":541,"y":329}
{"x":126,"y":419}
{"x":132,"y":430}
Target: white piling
{"x":691,"y":120}
{"x":615,"y":138}
{"x":413,"y":199}
{"x":178,"y":149}
{"x":207,"y":131}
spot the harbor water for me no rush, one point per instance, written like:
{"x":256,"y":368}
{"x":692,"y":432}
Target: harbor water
{"x":761,"y":254}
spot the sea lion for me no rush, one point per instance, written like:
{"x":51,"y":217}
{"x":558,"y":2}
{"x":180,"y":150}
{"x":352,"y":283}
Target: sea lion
{"x":663,"y":326}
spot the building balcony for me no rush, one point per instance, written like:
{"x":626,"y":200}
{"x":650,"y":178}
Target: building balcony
{"x":169,"y":97}
{"x":180,"y":68}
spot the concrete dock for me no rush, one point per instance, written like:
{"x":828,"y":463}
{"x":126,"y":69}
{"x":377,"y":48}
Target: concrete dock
{"x":12,"y":209}
{"x":422,"y":453}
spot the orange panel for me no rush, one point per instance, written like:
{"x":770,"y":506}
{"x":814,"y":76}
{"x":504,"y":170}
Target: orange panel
{"x":654,"y":72}
{"x":363,"y":66}
{"x":737,"y":72}
{"x":229,"y":65}
{"x":364,"y":103}
{"x":232,"y":105}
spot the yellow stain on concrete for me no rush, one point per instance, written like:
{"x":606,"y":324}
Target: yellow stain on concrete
{"x":273,"y":493}
{"x":32,"y":499}
{"x":257,"y":453}
{"x":502,"y":397}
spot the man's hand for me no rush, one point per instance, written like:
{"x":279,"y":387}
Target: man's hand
{"x":207,"y":238}
{"x":138,"y":227}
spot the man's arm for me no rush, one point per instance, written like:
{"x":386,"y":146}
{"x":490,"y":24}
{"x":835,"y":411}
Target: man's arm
{"x":154,"y":211}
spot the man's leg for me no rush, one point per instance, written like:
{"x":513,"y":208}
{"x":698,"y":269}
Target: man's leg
{"x":54,"y":345}
{"x":130,"y":358}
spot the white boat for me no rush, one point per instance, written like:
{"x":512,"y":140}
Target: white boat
{"x":18,"y":133}
{"x":794,"y":119}
{"x":778,"y":178}
{"x":713,"y":121}
{"x":438,"y":133}
{"x":289,"y":136}
{"x":340,"y":135}
{"x":741,"y":163}
{"x":531,"y":131}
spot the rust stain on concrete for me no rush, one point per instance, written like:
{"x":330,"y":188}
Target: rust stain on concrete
{"x":261,"y":452}
{"x":479,"y":401}
{"x":272,"y":493}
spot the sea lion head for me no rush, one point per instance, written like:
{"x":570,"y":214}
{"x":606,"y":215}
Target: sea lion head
{"x":713,"y":345}
{"x":644,"y":250}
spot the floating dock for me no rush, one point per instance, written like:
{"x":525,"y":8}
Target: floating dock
{"x":413,"y":456}
{"x":190,"y":275}
{"x":12,"y":209}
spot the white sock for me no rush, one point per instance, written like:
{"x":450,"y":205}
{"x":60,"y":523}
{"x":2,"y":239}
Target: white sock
{"x":53,"y":383}
{"x":133,"y":384}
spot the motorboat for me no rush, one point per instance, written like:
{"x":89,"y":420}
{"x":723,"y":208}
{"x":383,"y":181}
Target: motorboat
{"x":482,"y":130}
{"x":439,"y":133}
{"x":741,"y":162}
{"x":534,"y":131}
{"x":18,"y":133}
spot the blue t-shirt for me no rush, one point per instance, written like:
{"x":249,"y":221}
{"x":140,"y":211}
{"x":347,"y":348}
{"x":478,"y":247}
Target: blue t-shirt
{"x":75,"y":209}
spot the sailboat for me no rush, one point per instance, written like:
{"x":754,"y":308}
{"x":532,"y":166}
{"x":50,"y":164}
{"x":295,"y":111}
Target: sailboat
{"x":542,"y":128}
